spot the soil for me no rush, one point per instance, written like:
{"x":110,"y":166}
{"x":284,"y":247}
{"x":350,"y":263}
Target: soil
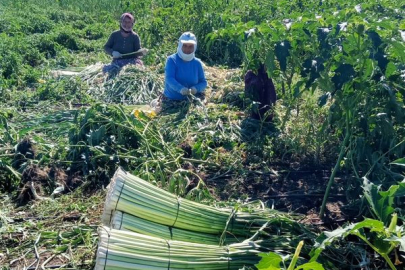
{"x":298,"y":191}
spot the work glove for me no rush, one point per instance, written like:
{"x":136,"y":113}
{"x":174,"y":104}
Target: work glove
{"x":116,"y":54}
{"x":193,"y":90}
{"x":184,"y":91}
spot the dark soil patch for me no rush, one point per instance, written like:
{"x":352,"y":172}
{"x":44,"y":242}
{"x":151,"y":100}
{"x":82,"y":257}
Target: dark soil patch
{"x":186,"y":147}
{"x":34,"y":173}
{"x":26,"y":148}
{"x":294,"y":191}
{"x":42,"y":181}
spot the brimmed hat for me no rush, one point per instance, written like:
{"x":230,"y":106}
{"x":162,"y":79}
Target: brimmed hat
{"x":188,"y":37}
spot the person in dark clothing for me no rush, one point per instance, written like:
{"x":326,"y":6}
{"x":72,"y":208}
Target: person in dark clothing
{"x":124,"y":45}
{"x":259,"y":88}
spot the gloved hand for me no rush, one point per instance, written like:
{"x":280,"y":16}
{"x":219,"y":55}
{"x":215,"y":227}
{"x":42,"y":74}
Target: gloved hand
{"x":184,"y":91}
{"x":193,"y":90}
{"x":116,"y":54}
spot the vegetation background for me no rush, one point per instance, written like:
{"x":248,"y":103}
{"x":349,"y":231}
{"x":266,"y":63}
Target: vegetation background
{"x":338,"y":128}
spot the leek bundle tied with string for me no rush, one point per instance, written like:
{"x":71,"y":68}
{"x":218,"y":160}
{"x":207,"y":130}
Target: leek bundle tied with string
{"x":127,"y":222}
{"x":127,"y":250}
{"x":132,"y":195}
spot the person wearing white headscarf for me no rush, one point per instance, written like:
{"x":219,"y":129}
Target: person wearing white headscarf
{"x":184,"y":73}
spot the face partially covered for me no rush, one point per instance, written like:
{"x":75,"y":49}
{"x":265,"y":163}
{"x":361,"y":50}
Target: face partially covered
{"x":187,"y":48}
{"x":127,"y":23}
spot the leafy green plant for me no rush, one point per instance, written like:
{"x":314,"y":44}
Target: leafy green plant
{"x":383,"y":240}
{"x":382,"y":203}
{"x":67,"y":39}
{"x":399,"y":162}
{"x":274,"y":261}
{"x":383,"y":234}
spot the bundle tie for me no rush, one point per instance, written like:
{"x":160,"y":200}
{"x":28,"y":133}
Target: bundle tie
{"x":108,"y":243}
{"x":178,"y":209}
{"x":168,"y":246}
{"x":229,"y":259}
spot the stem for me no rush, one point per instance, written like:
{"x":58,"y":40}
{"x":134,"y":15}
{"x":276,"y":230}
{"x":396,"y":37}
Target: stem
{"x":354,"y":167}
{"x":383,"y":155}
{"x":392,"y":266}
{"x":286,"y":117}
{"x":7,"y":155}
{"x":296,"y":255}
{"x":335,"y":169}
{"x":385,"y":256}
{"x":14,"y":172}
{"x":199,"y":161}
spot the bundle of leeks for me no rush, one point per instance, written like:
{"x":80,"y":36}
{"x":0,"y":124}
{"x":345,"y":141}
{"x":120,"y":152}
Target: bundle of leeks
{"x":122,"y":250}
{"x":128,"y":222}
{"x":132,"y":195}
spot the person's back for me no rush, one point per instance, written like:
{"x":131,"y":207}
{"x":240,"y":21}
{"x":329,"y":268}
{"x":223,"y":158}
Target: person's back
{"x":260,"y":89}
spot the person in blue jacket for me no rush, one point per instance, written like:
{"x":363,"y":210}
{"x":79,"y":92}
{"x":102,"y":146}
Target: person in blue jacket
{"x":184,"y":73}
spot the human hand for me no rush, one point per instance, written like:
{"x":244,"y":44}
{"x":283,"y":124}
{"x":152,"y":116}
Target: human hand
{"x":184,"y":91}
{"x":193,"y":90}
{"x":116,"y":54}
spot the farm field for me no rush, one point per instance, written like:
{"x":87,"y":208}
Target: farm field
{"x":330,"y":164}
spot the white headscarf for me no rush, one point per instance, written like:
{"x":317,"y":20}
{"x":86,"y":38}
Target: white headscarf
{"x":187,"y":37}
{"x":184,"y":56}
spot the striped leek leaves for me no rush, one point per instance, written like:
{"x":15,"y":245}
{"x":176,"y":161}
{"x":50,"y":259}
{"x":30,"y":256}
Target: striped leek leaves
{"x":122,"y":250}
{"x":132,"y":195}
{"x":127,"y":222}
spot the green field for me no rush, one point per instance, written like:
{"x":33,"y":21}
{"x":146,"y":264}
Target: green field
{"x":332,"y":159}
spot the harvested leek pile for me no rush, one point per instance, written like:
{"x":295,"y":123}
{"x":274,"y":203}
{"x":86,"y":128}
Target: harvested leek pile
{"x":132,"y":195}
{"x":279,"y":234}
{"x":149,"y":228}
{"x":127,"y":222}
{"x":133,"y":84}
{"x":127,"y":250}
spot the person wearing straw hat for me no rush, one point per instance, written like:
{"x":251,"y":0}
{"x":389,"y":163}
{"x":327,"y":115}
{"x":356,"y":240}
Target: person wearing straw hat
{"x":184,"y":73}
{"x":124,"y":45}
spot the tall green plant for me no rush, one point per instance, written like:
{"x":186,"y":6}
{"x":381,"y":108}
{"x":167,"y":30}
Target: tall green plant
{"x":382,"y":234}
{"x":382,"y":239}
{"x":382,"y":203}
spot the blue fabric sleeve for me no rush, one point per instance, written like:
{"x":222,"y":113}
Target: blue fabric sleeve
{"x":170,"y":72}
{"x":202,"y":82}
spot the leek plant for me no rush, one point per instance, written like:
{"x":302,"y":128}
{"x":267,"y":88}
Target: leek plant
{"x":128,"y":250}
{"x":132,"y":195}
{"x":127,"y":222}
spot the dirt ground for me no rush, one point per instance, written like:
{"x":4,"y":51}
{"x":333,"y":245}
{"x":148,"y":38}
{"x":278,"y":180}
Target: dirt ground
{"x":299,"y":191}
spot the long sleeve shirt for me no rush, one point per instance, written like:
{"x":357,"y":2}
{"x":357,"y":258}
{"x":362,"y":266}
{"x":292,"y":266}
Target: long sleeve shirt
{"x":123,"y":45}
{"x":181,"y":74}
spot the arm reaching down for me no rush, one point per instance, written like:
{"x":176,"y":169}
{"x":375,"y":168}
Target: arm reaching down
{"x":170,"y":76}
{"x":202,"y":82}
